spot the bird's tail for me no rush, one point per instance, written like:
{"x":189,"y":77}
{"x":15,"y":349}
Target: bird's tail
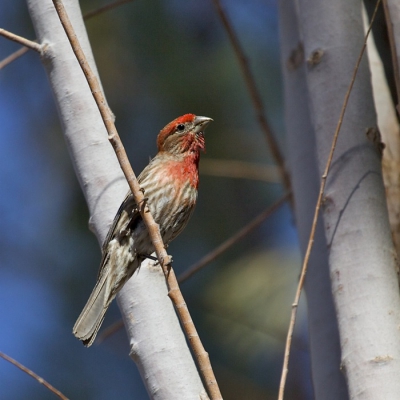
{"x":92,"y":315}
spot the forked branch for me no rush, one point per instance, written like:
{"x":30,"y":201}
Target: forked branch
{"x":23,"y":50}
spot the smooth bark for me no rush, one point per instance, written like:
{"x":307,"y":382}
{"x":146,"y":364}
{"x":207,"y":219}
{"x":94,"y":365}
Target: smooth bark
{"x":157,"y":344}
{"x":361,"y":253}
{"x":328,"y":380}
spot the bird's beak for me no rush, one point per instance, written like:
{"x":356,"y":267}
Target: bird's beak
{"x":200,"y":123}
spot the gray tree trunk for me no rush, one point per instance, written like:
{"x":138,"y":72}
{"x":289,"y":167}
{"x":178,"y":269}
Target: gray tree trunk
{"x":328,"y":380}
{"x":157,"y":343}
{"x":360,"y":248}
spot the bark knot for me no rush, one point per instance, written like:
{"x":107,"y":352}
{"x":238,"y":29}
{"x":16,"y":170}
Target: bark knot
{"x":296,"y":57}
{"x":315,"y":57}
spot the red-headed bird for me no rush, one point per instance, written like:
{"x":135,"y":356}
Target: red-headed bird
{"x":170,"y":183}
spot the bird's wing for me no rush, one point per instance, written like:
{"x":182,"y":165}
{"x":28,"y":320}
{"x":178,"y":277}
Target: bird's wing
{"x":127,"y":215}
{"x":125,"y":220}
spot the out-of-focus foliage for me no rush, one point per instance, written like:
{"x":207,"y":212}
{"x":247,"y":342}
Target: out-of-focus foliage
{"x":157,"y":60}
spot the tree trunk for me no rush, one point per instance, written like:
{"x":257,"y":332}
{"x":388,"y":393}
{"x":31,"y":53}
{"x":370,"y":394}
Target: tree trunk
{"x":328,"y":380}
{"x":157,"y":343}
{"x":361,"y":253}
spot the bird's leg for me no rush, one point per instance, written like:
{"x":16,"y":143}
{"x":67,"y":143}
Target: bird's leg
{"x":142,"y":204}
{"x":149,"y":257}
{"x":169,"y":265}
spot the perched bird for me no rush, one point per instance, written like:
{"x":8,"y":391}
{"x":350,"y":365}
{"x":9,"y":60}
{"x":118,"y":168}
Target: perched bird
{"x":170,"y":183}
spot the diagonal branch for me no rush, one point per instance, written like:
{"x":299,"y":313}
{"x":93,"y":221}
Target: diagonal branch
{"x":316,"y":213}
{"x":33,"y":375}
{"x":240,"y":169}
{"x":105,"y":8}
{"x":21,"y":40}
{"x":203,"y":262}
{"x":254,"y":95}
{"x":13,"y":56}
{"x":20,"y":52}
{"x":257,"y":221}
{"x":165,"y":260}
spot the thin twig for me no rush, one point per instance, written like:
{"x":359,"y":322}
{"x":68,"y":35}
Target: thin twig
{"x":13,"y":56}
{"x":105,"y":8}
{"x":394,"y":55}
{"x":33,"y":375}
{"x":240,"y":169}
{"x":23,"y":50}
{"x":241,"y":321}
{"x":257,"y":221}
{"x":109,"y":331}
{"x":316,"y":213}
{"x":21,"y":40}
{"x":154,"y":232}
{"x":255,"y":96}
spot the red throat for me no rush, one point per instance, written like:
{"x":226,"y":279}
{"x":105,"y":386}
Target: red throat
{"x":185,"y":170}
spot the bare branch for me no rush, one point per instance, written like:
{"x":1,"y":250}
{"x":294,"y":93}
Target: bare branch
{"x":105,"y":8}
{"x":21,"y":40}
{"x":255,"y":96}
{"x":240,"y":169}
{"x":317,"y":208}
{"x":109,"y":331}
{"x":257,"y":221}
{"x":12,"y":57}
{"x":33,"y":375}
{"x":165,"y":260}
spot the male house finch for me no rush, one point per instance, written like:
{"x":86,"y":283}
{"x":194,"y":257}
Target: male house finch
{"x":170,"y":184}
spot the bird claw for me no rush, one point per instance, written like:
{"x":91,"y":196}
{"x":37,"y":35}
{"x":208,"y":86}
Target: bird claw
{"x":150,"y":257}
{"x":142,"y":204}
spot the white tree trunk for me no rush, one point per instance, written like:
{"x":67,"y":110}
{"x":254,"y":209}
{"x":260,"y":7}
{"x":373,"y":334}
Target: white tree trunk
{"x":328,"y":380}
{"x":361,"y":253}
{"x":157,"y":343}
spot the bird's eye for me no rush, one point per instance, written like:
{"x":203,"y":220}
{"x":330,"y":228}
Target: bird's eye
{"x":180,"y":127}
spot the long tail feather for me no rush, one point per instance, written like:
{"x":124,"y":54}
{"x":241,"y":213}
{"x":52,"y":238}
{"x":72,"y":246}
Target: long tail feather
{"x":92,"y":315}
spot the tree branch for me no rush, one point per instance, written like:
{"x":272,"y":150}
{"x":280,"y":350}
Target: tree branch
{"x":21,"y":40}
{"x":295,"y":304}
{"x":152,"y":226}
{"x":33,"y":375}
{"x":240,"y":169}
{"x":154,"y":349}
{"x":13,"y":56}
{"x":105,"y":8}
{"x":257,"y":221}
{"x":255,"y":96}
{"x":324,"y":342}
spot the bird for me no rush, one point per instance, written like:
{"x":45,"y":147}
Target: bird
{"x":169,"y":183}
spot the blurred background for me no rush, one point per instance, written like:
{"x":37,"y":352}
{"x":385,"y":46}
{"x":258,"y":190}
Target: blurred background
{"x":157,"y":60}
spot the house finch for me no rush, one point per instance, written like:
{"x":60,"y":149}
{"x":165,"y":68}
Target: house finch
{"x":170,"y":184}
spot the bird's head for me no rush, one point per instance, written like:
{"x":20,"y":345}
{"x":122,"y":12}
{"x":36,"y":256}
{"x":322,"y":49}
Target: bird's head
{"x":184,"y":134}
